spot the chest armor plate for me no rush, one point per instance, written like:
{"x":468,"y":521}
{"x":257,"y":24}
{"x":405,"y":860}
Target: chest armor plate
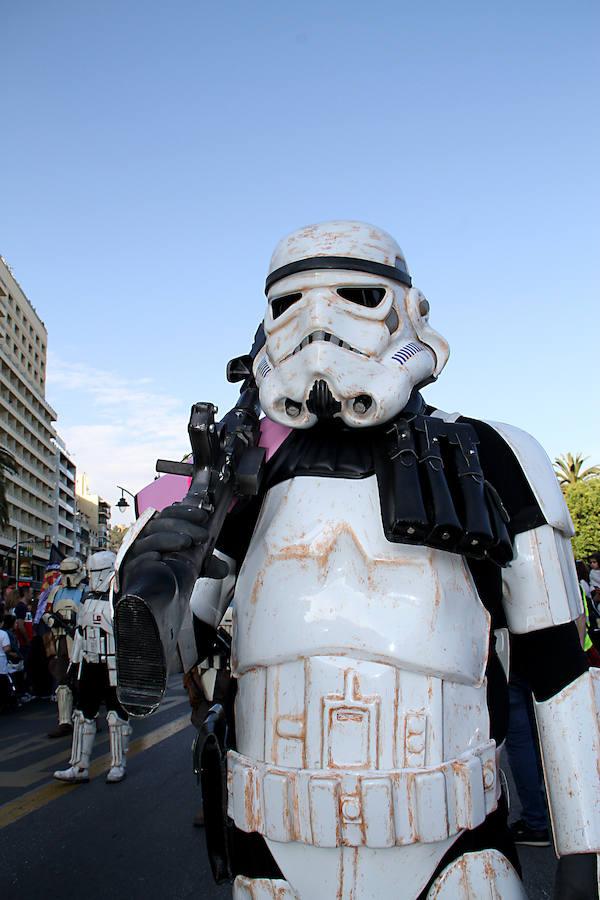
{"x":95,"y":620}
{"x":66,"y":604}
{"x":320,"y":578}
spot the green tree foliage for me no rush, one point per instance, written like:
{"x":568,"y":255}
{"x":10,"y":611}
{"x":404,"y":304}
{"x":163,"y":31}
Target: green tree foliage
{"x":7,"y":463}
{"x":583,"y":500}
{"x":117,"y":533}
{"x":569,"y":469}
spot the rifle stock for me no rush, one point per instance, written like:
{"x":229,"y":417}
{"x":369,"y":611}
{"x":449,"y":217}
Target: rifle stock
{"x":148,"y":617}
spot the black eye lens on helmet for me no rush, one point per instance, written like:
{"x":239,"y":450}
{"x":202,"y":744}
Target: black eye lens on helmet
{"x":280,"y":304}
{"x":370,"y":297}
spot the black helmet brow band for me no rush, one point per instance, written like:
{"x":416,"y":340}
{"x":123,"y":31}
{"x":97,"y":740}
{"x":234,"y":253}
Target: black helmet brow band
{"x":338,"y":262}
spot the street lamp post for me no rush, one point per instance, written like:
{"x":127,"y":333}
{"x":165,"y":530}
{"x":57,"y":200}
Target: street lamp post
{"x":123,"y":503}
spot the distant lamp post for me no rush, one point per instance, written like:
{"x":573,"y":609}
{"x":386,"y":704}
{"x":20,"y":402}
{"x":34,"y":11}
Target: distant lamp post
{"x":123,"y":503}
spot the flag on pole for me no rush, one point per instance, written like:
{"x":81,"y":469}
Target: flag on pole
{"x":51,"y":577}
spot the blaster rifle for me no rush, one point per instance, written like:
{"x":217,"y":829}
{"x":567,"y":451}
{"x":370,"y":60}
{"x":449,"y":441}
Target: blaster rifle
{"x":227,"y":462}
{"x":69,"y":627}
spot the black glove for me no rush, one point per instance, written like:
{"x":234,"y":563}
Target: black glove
{"x":576,"y":877}
{"x":179,"y":531}
{"x":177,"y":527}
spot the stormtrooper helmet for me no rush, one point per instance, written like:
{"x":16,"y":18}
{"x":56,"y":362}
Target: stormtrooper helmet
{"x":71,"y":572}
{"x":100,"y":568}
{"x":347,"y":336}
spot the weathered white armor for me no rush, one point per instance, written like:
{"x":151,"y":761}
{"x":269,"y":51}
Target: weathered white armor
{"x":350,"y":726}
{"x":365,"y":725}
{"x":364,"y":746}
{"x":363,"y":734}
{"x":371,"y":353}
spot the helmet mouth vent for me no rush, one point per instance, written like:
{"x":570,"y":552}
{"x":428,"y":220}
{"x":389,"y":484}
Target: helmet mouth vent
{"x":321,"y":401}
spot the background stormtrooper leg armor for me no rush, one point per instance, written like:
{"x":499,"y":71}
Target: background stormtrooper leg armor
{"x":119,"y":731}
{"x":64,"y":700}
{"x":84,"y":733}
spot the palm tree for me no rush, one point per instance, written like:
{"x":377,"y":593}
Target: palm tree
{"x":568,"y":469}
{"x":7,"y":462}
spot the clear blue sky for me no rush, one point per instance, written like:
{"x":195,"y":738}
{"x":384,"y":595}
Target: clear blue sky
{"x":153,"y":155}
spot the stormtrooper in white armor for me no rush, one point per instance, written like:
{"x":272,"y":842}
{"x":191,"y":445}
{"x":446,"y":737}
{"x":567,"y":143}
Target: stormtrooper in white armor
{"x":60,"y":617}
{"x":93,"y":657}
{"x":387,"y":544}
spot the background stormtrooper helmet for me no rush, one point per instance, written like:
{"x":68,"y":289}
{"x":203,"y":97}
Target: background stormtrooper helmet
{"x":346,"y":333}
{"x":71,"y":572}
{"x":100,"y":568}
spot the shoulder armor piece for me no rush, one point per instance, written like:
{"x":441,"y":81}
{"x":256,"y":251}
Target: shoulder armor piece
{"x":540,"y":475}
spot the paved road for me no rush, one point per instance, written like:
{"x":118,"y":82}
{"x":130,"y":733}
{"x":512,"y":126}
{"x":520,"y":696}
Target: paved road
{"x":120,"y":842}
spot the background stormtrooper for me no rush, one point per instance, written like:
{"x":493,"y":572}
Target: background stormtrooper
{"x":388,"y":542}
{"x":60,"y":617}
{"x":93,"y":657}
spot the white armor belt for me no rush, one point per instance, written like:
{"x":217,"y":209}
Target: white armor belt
{"x":375,"y":809}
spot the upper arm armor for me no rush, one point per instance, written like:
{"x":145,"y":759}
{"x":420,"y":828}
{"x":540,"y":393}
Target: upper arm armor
{"x":540,"y":585}
{"x":211,"y":596}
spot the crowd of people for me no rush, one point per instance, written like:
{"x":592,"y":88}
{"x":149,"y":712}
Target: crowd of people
{"x":59,"y":645}
{"x":24,"y":674}
{"x":589,"y":582}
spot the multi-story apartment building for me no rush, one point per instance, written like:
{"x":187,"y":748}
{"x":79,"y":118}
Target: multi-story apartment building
{"x":82,"y":534}
{"x":26,"y":430}
{"x":95,"y":513}
{"x":64,"y":499}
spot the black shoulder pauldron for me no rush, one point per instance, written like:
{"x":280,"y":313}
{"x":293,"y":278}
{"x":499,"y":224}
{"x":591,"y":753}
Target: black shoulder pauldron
{"x":434,"y":492}
{"x":456,"y":486}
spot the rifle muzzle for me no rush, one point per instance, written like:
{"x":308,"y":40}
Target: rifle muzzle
{"x":147,"y":621}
